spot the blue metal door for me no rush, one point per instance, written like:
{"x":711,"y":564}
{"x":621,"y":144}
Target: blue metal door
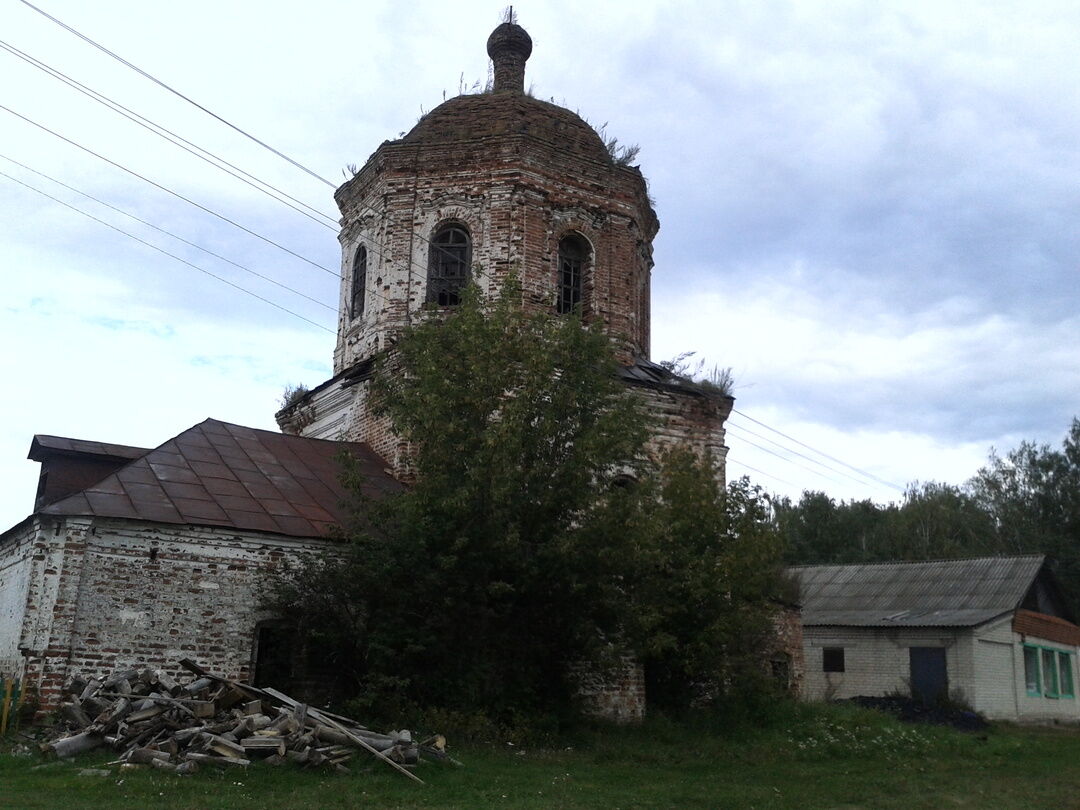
{"x":929,"y":679}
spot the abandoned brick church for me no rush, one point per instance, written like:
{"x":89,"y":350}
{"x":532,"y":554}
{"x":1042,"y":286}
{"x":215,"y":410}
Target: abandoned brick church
{"x":140,"y":555}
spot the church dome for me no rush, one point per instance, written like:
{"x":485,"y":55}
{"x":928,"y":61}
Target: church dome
{"x":486,"y":115}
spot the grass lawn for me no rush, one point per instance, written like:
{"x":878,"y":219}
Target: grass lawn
{"x":815,"y":757}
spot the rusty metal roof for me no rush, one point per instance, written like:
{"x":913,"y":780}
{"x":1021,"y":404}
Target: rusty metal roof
{"x":62,"y":444}
{"x":219,"y":474}
{"x":645,"y":372}
{"x":939,"y":593}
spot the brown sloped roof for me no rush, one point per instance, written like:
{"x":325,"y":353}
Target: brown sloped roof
{"x":937,"y":593}
{"x":219,"y":474}
{"x":43,"y":443}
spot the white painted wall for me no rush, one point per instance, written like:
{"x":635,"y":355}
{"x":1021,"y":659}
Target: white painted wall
{"x":15,"y":564}
{"x":985,"y":667}
{"x":877,"y":661}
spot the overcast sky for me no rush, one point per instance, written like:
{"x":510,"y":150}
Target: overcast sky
{"x":870,"y":211}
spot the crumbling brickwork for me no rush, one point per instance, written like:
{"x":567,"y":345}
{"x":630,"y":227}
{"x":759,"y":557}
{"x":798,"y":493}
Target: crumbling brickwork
{"x":108,"y":593}
{"x":617,"y":693}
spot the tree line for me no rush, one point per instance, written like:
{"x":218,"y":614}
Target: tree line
{"x":1027,"y":501}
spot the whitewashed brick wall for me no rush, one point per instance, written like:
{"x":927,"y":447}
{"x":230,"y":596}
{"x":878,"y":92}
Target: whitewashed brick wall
{"x":985,"y":667}
{"x":105,"y":594}
{"x":15,"y":565}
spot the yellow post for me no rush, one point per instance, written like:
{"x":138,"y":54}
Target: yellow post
{"x":5,"y":705}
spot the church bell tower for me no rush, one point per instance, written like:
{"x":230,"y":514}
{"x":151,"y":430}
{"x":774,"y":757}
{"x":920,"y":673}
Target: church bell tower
{"x":484,"y":185}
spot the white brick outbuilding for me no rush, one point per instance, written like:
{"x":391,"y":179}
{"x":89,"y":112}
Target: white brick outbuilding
{"x":994,"y":632}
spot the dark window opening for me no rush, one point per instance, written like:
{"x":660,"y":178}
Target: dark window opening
{"x":832,"y":659}
{"x":448,"y":265}
{"x":359,"y":282}
{"x":573,"y":256}
{"x":780,"y":669}
{"x":273,"y":656}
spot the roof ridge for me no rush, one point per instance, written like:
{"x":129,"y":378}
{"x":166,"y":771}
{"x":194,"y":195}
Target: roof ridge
{"x":1031,"y":555}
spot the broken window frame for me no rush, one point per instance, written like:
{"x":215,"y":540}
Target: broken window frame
{"x":359,"y":283}
{"x":449,"y":262}
{"x":573,"y":260}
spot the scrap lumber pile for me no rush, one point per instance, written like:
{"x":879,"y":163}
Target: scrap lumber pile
{"x":158,"y":722}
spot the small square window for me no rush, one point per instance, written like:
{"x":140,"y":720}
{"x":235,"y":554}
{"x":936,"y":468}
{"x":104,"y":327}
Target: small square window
{"x":832,"y":659}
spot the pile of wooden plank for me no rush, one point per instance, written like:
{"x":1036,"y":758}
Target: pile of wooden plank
{"x":156,"y":721}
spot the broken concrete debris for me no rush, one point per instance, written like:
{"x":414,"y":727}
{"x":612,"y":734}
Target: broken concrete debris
{"x":157,"y":722}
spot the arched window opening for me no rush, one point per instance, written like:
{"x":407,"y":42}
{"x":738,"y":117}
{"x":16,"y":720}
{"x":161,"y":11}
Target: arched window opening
{"x":448,"y":265}
{"x":573,"y":256}
{"x":359,"y":282}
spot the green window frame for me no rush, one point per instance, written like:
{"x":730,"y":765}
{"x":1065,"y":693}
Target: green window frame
{"x":1065,"y":668}
{"x":1048,"y":672}
{"x":1048,"y":659}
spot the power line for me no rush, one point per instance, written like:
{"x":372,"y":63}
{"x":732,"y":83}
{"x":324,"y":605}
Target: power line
{"x":169,"y":233}
{"x":167,"y":253}
{"x":175,"y":92}
{"x":176,"y":194}
{"x":788,"y":460}
{"x":227,"y":123}
{"x":797,"y":453}
{"x":163,"y":132}
{"x":819,"y":452}
{"x":759,"y":472}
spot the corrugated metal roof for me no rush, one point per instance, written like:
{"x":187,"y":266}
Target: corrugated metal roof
{"x":942,"y":593}
{"x":220,"y":474}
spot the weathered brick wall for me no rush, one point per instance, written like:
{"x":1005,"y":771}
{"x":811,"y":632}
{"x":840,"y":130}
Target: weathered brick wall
{"x":614,"y":694}
{"x":518,"y":195}
{"x":688,"y":420}
{"x":788,"y":647}
{"x":15,"y":567}
{"x":107,"y":594}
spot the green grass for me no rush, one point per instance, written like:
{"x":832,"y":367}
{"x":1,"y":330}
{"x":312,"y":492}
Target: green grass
{"x":812,"y":758}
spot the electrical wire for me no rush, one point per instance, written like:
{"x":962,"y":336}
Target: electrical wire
{"x":167,"y":253}
{"x":162,"y":84}
{"x":812,"y":460}
{"x":167,"y":190}
{"x":205,"y":155}
{"x":819,"y":452}
{"x":788,"y":460}
{"x":177,"y":93}
{"x":169,"y":233}
{"x":759,"y":472}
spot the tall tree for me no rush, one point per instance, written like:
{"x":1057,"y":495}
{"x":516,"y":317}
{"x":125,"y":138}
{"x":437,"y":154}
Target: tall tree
{"x":537,"y":535}
{"x":503,"y":562}
{"x":1032,"y":495}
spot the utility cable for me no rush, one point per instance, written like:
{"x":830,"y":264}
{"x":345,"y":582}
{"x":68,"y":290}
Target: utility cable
{"x":812,"y":460}
{"x":788,"y":460}
{"x":167,"y":253}
{"x":164,"y":132}
{"x":169,"y":233}
{"x":819,"y":452}
{"x":177,"y":93}
{"x":176,"y":194}
{"x":759,"y":472}
{"x":162,"y":84}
